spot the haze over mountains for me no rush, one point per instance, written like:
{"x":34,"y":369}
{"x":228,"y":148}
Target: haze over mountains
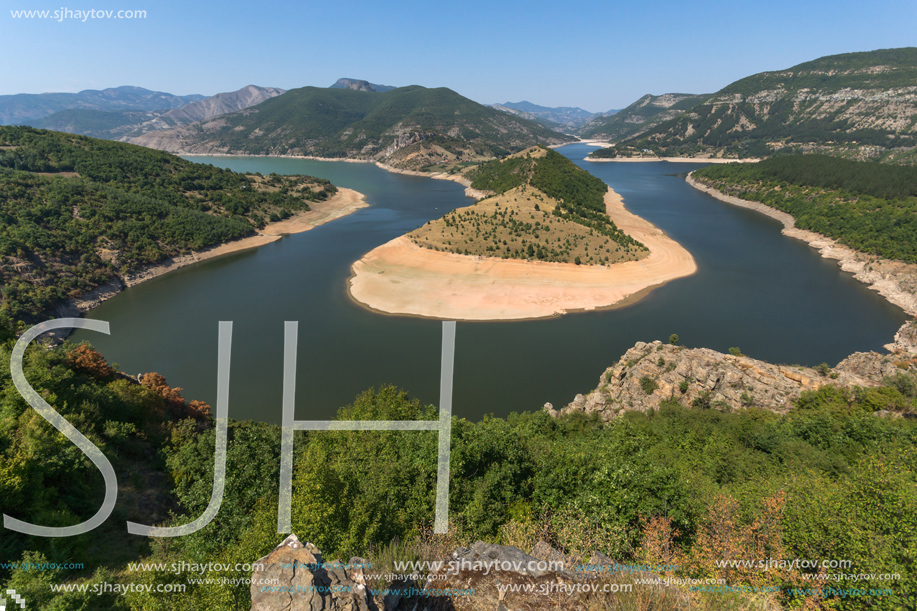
{"x":564,"y":118}
{"x":22,"y":107}
{"x":642,"y":115}
{"x":410,"y":127}
{"x":857,"y":105}
{"x":121,"y":125}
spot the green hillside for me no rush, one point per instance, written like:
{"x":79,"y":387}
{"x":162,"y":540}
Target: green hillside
{"x":868,"y":206}
{"x":411,"y":127}
{"x":76,"y":212}
{"x":642,"y":115}
{"x":881,"y":69}
{"x":683,"y":485}
{"x":855,"y":105}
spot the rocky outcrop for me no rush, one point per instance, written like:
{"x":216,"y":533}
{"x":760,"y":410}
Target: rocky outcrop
{"x":905,"y":340}
{"x":483,"y":577}
{"x":294,"y":578}
{"x":872,"y":366}
{"x":648,"y":374}
{"x":360,"y":85}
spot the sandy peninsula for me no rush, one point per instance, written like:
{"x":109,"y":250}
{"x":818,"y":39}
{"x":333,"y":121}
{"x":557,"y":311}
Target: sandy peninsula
{"x":400,"y":277}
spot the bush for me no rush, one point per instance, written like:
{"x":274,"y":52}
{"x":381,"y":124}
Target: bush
{"x":648,"y":385}
{"x":702,"y":401}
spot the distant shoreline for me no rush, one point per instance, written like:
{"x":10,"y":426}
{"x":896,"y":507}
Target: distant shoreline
{"x":469,"y":192}
{"x":670,"y":160}
{"x":343,"y":203}
{"x":887,"y":277}
{"x":403,"y":278}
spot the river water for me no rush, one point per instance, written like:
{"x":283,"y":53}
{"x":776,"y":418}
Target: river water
{"x":755,"y":289}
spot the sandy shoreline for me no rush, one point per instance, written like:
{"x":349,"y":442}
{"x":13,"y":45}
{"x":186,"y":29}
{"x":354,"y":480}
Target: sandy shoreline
{"x":344,"y":202}
{"x":400,"y":277}
{"x":594,"y":142}
{"x":894,"y":280}
{"x":670,"y":160}
{"x":469,"y":192}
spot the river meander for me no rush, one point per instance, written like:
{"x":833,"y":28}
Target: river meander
{"x":769,"y":295}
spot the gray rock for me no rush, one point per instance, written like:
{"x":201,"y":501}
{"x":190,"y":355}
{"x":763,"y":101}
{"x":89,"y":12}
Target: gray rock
{"x":297,"y":581}
{"x":714,"y":380}
{"x":905,"y":340}
{"x":870,"y":366}
{"x":503,"y":558}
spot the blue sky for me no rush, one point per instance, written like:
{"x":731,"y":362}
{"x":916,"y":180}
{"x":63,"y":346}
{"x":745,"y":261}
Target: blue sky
{"x":597,"y":55}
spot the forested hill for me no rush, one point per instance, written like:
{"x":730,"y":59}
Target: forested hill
{"x":544,"y":208}
{"x":855,"y":105}
{"x":76,"y":212}
{"x":408,"y":127}
{"x":687,"y":484}
{"x":868,"y":206}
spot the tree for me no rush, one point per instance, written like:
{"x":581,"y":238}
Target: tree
{"x":88,"y":361}
{"x":673,"y":339}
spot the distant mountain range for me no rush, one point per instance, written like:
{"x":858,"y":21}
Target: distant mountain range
{"x":856,"y":105}
{"x":20,"y":108}
{"x":114,"y":125}
{"x":221,"y":104}
{"x":566,"y":118}
{"x":642,"y":115}
{"x":409,"y":127}
{"x":360,"y":85}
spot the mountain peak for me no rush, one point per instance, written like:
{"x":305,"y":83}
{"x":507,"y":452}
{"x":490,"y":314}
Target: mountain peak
{"x":360,"y":85}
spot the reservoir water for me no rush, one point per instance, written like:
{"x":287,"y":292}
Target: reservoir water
{"x":756,"y":289}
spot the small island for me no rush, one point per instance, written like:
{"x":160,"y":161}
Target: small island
{"x":548,"y":238}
